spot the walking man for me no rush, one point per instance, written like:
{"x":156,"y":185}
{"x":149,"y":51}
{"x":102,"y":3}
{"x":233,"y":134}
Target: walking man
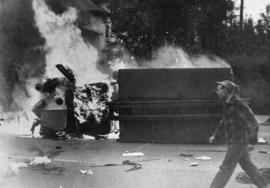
{"x":241,"y":131}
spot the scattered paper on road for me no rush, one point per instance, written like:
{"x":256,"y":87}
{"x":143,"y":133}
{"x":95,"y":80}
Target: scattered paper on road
{"x":204,"y":158}
{"x":87,"y":172}
{"x":261,"y":140}
{"x":133,"y":154}
{"x":40,"y":160}
{"x":193,"y":164}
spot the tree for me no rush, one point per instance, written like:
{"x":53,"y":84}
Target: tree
{"x":263,"y":30}
{"x":142,"y":26}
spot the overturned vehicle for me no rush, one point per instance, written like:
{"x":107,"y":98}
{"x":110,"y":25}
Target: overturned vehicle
{"x":169,"y":105}
{"x":152,"y":105}
{"x":65,"y":109}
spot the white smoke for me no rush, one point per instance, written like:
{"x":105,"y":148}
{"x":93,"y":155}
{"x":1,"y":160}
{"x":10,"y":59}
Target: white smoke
{"x":26,"y":99}
{"x":122,"y":59}
{"x":65,"y":44}
{"x":171,"y":57}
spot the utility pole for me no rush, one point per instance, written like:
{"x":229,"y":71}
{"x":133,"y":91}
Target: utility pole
{"x":241,"y":15}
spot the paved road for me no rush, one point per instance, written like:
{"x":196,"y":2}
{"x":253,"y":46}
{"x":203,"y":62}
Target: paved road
{"x":164,"y":170}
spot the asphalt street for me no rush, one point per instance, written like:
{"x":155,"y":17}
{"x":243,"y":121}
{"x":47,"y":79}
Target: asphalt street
{"x":162,"y":165}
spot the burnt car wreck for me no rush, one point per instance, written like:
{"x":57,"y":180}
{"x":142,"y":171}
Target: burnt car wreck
{"x":153,"y":105}
{"x":65,"y":108}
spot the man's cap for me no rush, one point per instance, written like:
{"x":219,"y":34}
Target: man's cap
{"x":228,"y":85}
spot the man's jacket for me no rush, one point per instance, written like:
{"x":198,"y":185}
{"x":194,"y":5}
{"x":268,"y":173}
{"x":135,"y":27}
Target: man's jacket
{"x":238,"y":121}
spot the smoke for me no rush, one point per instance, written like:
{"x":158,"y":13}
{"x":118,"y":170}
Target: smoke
{"x":25,"y":100}
{"x":120,"y":58}
{"x":65,"y":45}
{"x":169,"y":57}
{"x":34,"y":39}
{"x":172,"y":57}
{"x":20,"y":56}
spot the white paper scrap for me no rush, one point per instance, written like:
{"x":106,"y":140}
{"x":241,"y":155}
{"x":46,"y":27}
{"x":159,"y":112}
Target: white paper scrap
{"x":135,"y":154}
{"x":204,"y":158}
{"x":40,"y":160}
{"x":87,"y":172}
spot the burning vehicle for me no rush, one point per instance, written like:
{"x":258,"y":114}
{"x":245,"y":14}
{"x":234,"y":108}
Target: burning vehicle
{"x":165,"y":105}
{"x":65,"y":108}
{"x":168,"y":105}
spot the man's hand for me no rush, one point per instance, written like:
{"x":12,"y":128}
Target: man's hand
{"x":211,"y":139}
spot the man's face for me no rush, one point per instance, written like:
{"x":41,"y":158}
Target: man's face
{"x":222,"y":92}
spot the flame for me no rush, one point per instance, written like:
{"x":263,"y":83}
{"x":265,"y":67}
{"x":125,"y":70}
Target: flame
{"x":65,"y":45}
{"x":90,"y":101}
{"x":17,"y":123}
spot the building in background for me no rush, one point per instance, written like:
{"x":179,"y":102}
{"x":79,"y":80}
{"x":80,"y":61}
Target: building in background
{"x":94,"y":24}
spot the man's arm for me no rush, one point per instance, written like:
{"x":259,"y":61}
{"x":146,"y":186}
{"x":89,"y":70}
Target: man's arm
{"x":251,"y":125}
{"x":217,"y":131}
